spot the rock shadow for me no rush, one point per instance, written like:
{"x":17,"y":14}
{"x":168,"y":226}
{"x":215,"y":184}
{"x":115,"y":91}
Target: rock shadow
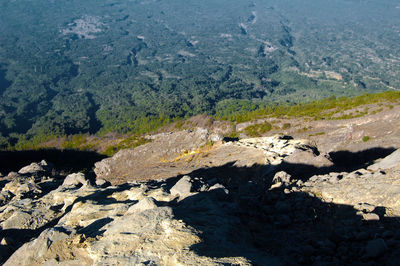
{"x":93,"y":229}
{"x":65,"y":161}
{"x":279,"y":226}
{"x":343,"y":161}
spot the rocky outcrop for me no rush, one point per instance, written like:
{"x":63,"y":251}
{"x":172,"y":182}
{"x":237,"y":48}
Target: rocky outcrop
{"x":374,"y":186}
{"x":226,"y":214}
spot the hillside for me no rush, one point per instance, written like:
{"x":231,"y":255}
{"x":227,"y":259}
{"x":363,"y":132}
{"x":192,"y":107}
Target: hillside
{"x":191,"y":197}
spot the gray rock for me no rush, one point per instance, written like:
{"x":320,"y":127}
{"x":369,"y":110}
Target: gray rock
{"x":75,"y":179}
{"x":281,"y":177}
{"x":370,"y":216}
{"x":182,"y":188}
{"x":375,"y":248}
{"x":37,"y":248}
{"x":18,"y":220}
{"x":31,"y":169}
{"x":215,"y":137}
{"x":102,"y":183}
{"x":388,"y":162}
{"x":144,"y":204}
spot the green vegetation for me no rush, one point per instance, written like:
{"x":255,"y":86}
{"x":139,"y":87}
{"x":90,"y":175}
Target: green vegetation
{"x":78,"y":142}
{"x":318,"y":110}
{"x":257,"y":130}
{"x":317,"y":134}
{"x":365,"y":138}
{"x":97,"y":66}
{"x":130,"y":142}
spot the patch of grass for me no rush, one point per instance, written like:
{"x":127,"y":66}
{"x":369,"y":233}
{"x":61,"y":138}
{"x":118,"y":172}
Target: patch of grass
{"x":128,"y":143}
{"x":233,"y":135}
{"x":179,"y":124}
{"x":317,"y":110}
{"x":77,"y":142}
{"x":257,"y":130}
{"x":317,"y":134}
{"x":286,"y":126}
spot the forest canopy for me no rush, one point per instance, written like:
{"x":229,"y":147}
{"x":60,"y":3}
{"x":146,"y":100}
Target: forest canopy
{"x":95,"y":66}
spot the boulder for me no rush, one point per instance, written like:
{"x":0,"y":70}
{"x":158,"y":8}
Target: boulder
{"x":100,"y":182}
{"x":215,"y":137}
{"x":31,"y":169}
{"x":281,"y":177}
{"x":182,"y":188}
{"x":76,"y":179}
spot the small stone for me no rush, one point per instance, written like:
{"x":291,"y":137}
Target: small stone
{"x":370,"y":216}
{"x":277,"y":185}
{"x":100,"y":182}
{"x":3,"y":242}
{"x":375,"y":248}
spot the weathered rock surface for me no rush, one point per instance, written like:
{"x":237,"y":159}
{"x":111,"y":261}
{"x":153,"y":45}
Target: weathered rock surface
{"x":391,"y":161}
{"x":129,"y":164}
{"x":375,"y":187}
{"x":224,"y":213}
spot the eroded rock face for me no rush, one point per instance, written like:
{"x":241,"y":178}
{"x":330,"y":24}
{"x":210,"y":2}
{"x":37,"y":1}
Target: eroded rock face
{"x":224,"y":215}
{"x":164,"y":147}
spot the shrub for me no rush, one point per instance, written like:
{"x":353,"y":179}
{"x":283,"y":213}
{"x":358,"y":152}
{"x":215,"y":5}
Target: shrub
{"x":366,"y":138}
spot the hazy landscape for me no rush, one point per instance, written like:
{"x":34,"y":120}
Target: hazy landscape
{"x":69,"y":67}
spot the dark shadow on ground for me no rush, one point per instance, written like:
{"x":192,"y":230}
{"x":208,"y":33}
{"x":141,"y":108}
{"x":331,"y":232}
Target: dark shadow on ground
{"x":343,"y":161}
{"x":65,"y":161}
{"x":276,"y":226}
{"x":350,"y":161}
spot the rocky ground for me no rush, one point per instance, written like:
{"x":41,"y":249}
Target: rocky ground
{"x":263,"y":201}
